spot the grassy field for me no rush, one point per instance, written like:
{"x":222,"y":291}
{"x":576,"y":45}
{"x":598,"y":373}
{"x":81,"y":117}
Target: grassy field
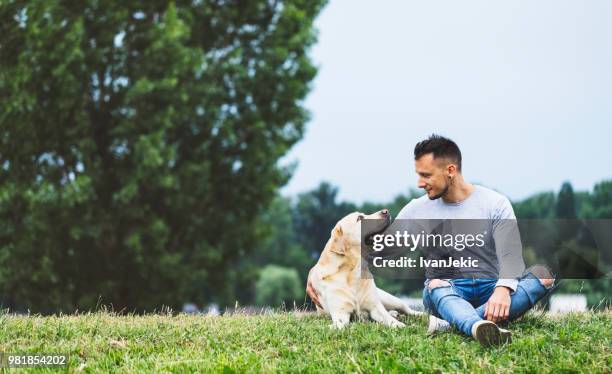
{"x":296,"y":342}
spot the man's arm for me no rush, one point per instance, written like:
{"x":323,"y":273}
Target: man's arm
{"x":509,"y":252}
{"x":508,"y":246}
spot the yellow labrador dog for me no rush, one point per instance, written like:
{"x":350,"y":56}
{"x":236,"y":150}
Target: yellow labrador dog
{"x":338,"y":282}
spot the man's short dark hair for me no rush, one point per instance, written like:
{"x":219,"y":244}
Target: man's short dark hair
{"x":441,"y":147}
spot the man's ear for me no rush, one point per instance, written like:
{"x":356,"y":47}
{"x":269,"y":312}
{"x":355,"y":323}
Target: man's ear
{"x":451,"y":169}
{"x":338,"y":243}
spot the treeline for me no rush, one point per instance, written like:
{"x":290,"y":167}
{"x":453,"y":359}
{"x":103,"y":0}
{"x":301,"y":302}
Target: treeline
{"x":295,"y":230}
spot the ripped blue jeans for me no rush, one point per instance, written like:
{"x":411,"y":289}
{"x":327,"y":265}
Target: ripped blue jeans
{"x":463,"y":302}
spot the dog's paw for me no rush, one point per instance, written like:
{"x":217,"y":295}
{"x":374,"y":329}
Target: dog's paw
{"x":396,"y":324}
{"x":394,"y":313}
{"x":412,"y":312}
{"x":339,"y":324}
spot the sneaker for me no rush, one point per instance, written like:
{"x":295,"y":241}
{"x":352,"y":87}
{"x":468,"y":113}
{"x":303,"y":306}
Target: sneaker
{"x":488,"y":334}
{"x":437,"y":325}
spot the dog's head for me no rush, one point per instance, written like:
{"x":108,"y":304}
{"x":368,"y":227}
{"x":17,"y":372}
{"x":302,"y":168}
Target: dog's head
{"x":347,"y":235}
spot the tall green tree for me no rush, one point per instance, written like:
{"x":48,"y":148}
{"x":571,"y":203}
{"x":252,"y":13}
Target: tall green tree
{"x":566,"y":202}
{"x":138,"y":140}
{"x":565,"y":212}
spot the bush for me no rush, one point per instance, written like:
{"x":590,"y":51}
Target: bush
{"x":278,"y":285}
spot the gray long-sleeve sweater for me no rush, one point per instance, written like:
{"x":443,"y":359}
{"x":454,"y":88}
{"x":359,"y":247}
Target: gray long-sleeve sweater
{"x":501,"y":256}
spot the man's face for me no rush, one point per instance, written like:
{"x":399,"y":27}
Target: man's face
{"x":433,"y":175}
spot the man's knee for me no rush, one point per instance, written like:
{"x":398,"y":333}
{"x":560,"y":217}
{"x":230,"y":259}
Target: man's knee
{"x":427,"y":292}
{"x":435,"y":283}
{"x":544,"y":275}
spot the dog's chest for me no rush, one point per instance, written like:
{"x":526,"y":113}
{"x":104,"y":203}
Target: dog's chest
{"x":362,"y":292}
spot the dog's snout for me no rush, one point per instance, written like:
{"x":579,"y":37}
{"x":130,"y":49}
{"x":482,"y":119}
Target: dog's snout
{"x":384,"y":212}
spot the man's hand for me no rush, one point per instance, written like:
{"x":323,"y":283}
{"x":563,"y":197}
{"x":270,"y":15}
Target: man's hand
{"x":312,"y":293}
{"x":498,"y":307}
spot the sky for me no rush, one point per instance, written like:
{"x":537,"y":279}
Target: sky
{"x":523,"y":87}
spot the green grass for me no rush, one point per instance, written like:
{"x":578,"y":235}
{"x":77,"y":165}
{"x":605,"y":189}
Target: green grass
{"x":294,"y":342}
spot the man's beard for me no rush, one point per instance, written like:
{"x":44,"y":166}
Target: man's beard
{"x":440,"y":194}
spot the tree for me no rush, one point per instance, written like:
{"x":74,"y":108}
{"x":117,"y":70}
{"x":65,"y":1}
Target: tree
{"x":601,"y":200}
{"x":316,"y":214}
{"x":566,"y":203}
{"x":565,"y":212}
{"x":137,"y":142}
{"x":395,"y":206}
{"x":539,"y":206}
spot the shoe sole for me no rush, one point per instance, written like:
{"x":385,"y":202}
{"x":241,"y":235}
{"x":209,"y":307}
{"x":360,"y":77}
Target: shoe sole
{"x":489,"y":335}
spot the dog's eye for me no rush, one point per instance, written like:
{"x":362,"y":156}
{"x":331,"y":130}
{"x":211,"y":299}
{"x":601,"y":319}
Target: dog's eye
{"x":359,"y":218}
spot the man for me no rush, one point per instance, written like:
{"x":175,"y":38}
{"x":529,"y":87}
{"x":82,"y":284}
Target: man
{"x":473,"y":304}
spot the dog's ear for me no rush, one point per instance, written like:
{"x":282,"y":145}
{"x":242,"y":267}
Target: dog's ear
{"x":338,"y":243}
{"x":337,"y":231}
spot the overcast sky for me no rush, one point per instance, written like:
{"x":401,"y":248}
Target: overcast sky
{"x":523,"y":87}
